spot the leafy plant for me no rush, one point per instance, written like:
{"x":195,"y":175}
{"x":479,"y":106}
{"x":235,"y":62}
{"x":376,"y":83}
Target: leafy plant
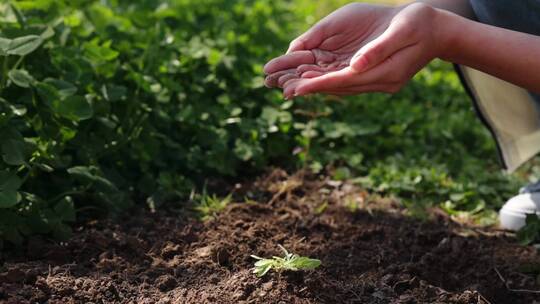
{"x":289,"y":261}
{"x":108,"y":103}
{"x":210,"y":206}
{"x":531,"y":232}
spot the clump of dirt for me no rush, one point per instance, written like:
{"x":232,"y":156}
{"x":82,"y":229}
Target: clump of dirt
{"x":371,"y":253}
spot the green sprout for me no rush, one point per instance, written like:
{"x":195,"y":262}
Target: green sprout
{"x":209,"y":206}
{"x":290,"y":261}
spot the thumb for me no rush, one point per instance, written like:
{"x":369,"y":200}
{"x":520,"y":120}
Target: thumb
{"x":379,"y":49}
{"x":309,"y":40}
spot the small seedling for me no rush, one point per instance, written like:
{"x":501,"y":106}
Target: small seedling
{"x":351,"y":204}
{"x":209,"y":206}
{"x":290,"y":261}
{"x":321,"y":208}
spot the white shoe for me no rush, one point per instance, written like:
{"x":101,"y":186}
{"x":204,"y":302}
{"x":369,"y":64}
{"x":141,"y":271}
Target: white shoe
{"x":513,"y":213}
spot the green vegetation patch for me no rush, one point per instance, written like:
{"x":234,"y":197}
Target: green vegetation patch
{"x":106,"y":103}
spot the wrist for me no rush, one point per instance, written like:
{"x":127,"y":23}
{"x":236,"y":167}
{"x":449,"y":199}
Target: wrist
{"x":459,"y":7}
{"x":447,"y":32}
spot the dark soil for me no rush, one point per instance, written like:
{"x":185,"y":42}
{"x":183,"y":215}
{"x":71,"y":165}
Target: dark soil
{"x":374,"y":254}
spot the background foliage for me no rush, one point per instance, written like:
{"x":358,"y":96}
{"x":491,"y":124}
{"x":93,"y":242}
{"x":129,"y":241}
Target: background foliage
{"x":106,"y":103}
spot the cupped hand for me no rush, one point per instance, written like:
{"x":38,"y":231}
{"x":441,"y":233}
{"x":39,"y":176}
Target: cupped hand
{"x":358,"y":48}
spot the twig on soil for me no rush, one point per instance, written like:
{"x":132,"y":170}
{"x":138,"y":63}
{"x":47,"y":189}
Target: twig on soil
{"x":481,"y":297}
{"x":512,"y":289}
{"x":286,"y":186}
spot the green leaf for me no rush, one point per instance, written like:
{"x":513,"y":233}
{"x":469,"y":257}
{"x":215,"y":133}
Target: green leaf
{"x":90,"y":175}
{"x":261,"y":271}
{"x":18,"y":15}
{"x":243,"y":150}
{"x":9,"y":181}
{"x":63,"y":88}
{"x":37,"y":223}
{"x":48,"y":93}
{"x":531,"y":231}
{"x":264,"y":262}
{"x":75,"y":108}
{"x":342,"y":173}
{"x":48,"y":33}
{"x":44,"y":167}
{"x":97,"y":53}
{"x":9,"y":198}
{"x":366,"y":130}
{"x":35,"y":4}
{"x":18,"y":110}
{"x":25,"y":45}
{"x":4,"y":46}
{"x":306,"y":263}
{"x":62,"y":232}
{"x":21,"y":78}
{"x":65,"y":209}
{"x":13,"y":152}
{"x":114,"y":92}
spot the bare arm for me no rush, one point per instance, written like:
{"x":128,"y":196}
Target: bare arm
{"x":509,"y":55}
{"x":459,"y":7}
{"x":364,"y":48}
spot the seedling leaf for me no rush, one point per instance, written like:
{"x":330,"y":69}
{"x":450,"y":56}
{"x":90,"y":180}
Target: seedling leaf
{"x":307,"y":263}
{"x":290,"y":261}
{"x":209,"y":206}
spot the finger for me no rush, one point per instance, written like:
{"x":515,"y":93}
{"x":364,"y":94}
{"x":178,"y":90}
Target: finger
{"x":312,"y":74}
{"x":386,"y":72}
{"x":388,"y":76}
{"x":290,"y":86}
{"x":356,"y":90}
{"x":373,"y":88}
{"x":318,"y":68}
{"x":395,"y":38}
{"x":326,"y":82}
{"x":288,"y":61}
{"x":271,"y":80}
{"x":309,"y":67}
{"x":283,"y":79}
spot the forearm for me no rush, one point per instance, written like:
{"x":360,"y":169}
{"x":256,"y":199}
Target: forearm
{"x":506,"y":54}
{"x":460,"y":7}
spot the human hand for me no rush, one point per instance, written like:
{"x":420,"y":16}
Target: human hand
{"x":359,"y":48}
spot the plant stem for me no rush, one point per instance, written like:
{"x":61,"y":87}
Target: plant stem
{"x":4,"y":73}
{"x":18,"y":63}
{"x":67,"y":193}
